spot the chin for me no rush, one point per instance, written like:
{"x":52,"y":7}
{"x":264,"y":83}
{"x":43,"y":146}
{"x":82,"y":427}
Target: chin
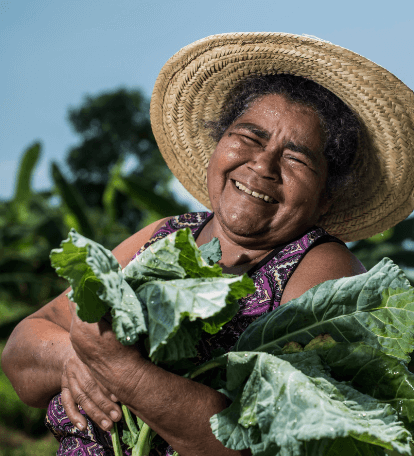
{"x":239,"y":225}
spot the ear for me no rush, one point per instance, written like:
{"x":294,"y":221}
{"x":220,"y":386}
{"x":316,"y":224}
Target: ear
{"x":325,"y":204}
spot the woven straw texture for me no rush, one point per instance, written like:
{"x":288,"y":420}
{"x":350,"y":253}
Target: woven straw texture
{"x":192,"y":86}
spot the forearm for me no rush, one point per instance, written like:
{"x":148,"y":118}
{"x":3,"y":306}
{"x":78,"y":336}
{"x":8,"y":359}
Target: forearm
{"x":33,"y":360}
{"x":178,"y":409}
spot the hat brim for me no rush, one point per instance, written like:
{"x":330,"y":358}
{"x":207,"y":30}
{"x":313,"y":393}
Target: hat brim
{"x":193,"y":85}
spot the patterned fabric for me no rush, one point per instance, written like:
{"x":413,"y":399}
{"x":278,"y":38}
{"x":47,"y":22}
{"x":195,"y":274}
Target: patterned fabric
{"x":270,"y":277}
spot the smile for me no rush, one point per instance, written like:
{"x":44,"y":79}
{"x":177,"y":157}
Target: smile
{"x":244,"y":189}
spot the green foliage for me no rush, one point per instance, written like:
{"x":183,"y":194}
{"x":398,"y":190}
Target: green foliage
{"x":23,"y":193}
{"x":345,"y":344}
{"x":282,"y":403}
{"x":33,"y":223}
{"x":377,"y":307}
{"x":93,"y":274}
{"x":14,"y":411}
{"x":169,"y":292}
{"x":147,"y":299}
{"x":17,"y":443}
{"x":73,"y":201}
{"x":391,"y":244}
{"x":115,"y":128}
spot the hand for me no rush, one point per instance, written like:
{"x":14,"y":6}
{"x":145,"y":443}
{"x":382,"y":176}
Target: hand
{"x":80,"y":387}
{"x":117,"y":367}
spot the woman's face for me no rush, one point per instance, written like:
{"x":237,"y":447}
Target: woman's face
{"x":267,"y":175}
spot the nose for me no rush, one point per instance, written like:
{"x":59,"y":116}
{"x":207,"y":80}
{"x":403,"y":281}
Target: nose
{"x":266,"y":164}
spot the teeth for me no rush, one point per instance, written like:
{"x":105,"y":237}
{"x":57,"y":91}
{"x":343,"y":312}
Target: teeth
{"x":266,"y":198}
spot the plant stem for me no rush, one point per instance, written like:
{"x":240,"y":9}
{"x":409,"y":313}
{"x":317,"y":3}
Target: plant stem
{"x":205,"y":368}
{"x":116,"y":443}
{"x":129,"y":420}
{"x":143,"y":444}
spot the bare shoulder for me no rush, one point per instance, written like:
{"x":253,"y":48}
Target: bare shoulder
{"x":127,"y":249}
{"x":324,"y":262}
{"x":57,"y":311}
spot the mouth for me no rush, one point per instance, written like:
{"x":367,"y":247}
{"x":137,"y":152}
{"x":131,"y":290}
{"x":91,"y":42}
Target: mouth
{"x":262,"y":196}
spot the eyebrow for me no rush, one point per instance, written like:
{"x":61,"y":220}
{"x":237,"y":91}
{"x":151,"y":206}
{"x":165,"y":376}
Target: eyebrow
{"x":302,"y":150}
{"x":264,"y":134}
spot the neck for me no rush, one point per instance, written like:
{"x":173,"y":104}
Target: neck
{"x":236,"y":258}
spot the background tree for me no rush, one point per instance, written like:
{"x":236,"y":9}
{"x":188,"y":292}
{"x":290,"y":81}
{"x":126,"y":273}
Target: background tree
{"x":101,"y":201}
{"x":115,"y":126}
{"x":397,"y":243}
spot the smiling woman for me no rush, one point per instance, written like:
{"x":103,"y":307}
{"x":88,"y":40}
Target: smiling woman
{"x":264,"y":164}
{"x":341,"y":127}
{"x":307,"y":146}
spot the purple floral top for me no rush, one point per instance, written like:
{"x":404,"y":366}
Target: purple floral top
{"x":270,"y":277}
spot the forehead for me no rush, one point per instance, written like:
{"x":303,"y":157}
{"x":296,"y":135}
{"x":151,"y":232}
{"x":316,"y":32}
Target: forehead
{"x":275,"y":111}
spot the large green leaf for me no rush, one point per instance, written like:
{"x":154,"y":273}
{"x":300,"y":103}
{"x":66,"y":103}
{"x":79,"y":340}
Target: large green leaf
{"x":143,"y":197}
{"x":211,"y":252}
{"x":23,"y":191}
{"x":376,"y":307}
{"x":174,"y":257}
{"x":25,"y":172}
{"x":191,"y":258}
{"x":372,"y":372}
{"x":148,"y":297}
{"x":158,"y":261}
{"x":93,"y":273}
{"x":128,"y":321}
{"x":109,"y":195}
{"x":280,"y":405}
{"x":169,"y":303}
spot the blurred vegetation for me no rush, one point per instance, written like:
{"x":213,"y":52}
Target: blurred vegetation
{"x":100,"y":199}
{"x":106,"y":203}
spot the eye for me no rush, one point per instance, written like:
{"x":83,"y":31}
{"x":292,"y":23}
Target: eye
{"x":249,"y":139}
{"x":296,"y":159}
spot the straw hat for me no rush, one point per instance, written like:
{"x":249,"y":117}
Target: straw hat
{"x":192,"y":87}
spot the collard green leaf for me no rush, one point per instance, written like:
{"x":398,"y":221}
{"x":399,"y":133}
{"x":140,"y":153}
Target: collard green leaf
{"x":191,"y":259}
{"x":345,"y":446}
{"x":278,"y":408}
{"x":158,"y":262}
{"x":181,"y":344}
{"x":211,"y":252}
{"x":174,"y":257}
{"x":128,"y":321}
{"x":93,"y":273}
{"x":352,"y":309}
{"x":168,"y":303}
{"x":372,"y":372}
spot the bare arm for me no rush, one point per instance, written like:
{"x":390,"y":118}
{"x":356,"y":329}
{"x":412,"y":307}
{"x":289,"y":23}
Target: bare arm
{"x":39,"y":346}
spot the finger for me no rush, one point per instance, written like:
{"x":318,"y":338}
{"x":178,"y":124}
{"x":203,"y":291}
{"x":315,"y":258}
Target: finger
{"x":107,"y":393}
{"x":72,"y":411}
{"x":111,"y":397}
{"x":94,"y":402}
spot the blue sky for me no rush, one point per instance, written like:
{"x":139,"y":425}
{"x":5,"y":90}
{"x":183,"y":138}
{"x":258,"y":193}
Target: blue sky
{"x":53,"y":53}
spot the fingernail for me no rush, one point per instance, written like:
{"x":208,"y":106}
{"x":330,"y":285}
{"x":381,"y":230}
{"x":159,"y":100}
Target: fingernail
{"x":113,"y":414}
{"x":105,"y":423}
{"x":80,"y":426}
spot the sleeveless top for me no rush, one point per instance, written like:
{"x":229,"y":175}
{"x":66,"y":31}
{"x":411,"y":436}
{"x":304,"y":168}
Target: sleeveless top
{"x":270,"y":277}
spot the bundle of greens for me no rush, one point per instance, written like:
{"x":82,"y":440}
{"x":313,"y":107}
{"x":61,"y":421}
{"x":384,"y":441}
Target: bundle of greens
{"x":323,"y":375}
{"x":166,"y":297}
